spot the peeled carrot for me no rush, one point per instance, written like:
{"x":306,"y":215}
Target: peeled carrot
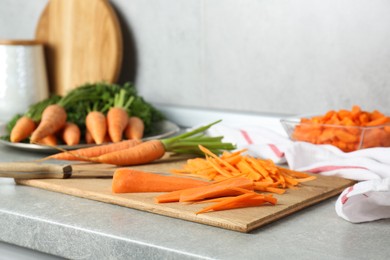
{"x":216,"y":189}
{"x":22,"y":129}
{"x":242,"y":201}
{"x":219,"y":189}
{"x":135,"y":128}
{"x":71,"y":134}
{"x":266,"y":176}
{"x":117,"y":119}
{"x":343,"y":129}
{"x":83,"y":154}
{"x":142,"y":153}
{"x":127,"y":180}
{"x":96,"y":124}
{"x":53,"y":119}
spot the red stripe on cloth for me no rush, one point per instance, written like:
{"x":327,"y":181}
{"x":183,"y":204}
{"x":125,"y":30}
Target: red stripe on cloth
{"x":344,"y":198}
{"x":275,"y":149}
{"x":246,"y":136}
{"x":332,"y":168}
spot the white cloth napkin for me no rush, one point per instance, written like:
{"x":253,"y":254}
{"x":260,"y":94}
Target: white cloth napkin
{"x":367,"y":200}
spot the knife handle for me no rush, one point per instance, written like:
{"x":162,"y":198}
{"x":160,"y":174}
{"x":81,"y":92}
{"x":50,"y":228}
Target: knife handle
{"x":24,"y":170}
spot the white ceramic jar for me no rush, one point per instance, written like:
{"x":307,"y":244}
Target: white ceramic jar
{"x":23,"y":77}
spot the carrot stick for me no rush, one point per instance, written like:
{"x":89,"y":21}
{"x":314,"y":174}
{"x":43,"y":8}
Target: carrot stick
{"x":22,"y":129}
{"x":84,"y":153}
{"x":71,"y":134}
{"x":96,"y":124}
{"x":135,"y":128}
{"x":241,"y":201}
{"x":53,"y":119}
{"x":127,"y":180}
{"x":219,"y":189}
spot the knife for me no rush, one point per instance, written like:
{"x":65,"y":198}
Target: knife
{"x":31,"y":170}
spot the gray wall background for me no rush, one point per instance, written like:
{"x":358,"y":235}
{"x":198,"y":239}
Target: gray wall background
{"x":274,"y":56}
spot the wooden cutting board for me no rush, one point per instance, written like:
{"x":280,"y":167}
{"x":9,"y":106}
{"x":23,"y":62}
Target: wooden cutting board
{"x":83,"y":43}
{"x":242,"y":220}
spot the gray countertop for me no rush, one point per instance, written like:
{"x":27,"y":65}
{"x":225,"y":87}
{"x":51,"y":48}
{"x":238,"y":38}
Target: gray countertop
{"x":76,"y":228}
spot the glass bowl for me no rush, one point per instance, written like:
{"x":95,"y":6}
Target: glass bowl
{"x":346,"y":138}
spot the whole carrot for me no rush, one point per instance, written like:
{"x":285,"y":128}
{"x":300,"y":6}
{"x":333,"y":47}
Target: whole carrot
{"x":127,"y":180}
{"x":22,"y":129}
{"x":71,"y":134}
{"x":135,"y":128}
{"x":117,"y":116}
{"x":96,"y":124}
{"x":48,"y":140}
{"x":83,"y":154}
{"x":26,"y":124}
{"x":117,"y":119}
{"x":53,"y":119}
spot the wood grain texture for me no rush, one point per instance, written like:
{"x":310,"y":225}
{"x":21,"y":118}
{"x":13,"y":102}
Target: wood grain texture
{"x":242,"y":220}
{"x":83,"y":43}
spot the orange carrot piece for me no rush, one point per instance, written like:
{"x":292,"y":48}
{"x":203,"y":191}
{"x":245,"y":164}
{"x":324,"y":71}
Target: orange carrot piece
{"x":48,"y":140}
{"x":83,"y":154}
{"x":88,"y":137}
{"x":53,"y":119}
{"x":117,"y":120}
{"x":71,"y":134}
{"x":96,"y":125}
{"x":135,"y":128}
{"x":241,"y":201}
{"x":219,"y":189}
{"x":127,"y":180}
{"x":22,"y":129}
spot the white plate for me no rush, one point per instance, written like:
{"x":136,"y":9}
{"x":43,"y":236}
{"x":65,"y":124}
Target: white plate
{"x":161,"y":129}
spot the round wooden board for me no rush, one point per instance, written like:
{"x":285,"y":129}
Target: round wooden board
{"x":83,"y":43}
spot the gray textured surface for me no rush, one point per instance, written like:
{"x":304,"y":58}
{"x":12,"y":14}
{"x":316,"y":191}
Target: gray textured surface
{"x":292,"y":56}
{"x":78,"y":228}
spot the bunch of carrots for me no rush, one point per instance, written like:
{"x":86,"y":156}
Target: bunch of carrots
{"x":348,"y":130}
{"x":135,"y":151}
{"x":233,"y":180}
{"x":92,"y":113}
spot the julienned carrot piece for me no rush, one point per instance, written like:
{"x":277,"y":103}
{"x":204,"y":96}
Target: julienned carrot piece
{"x":117,"y":119}
{"x":216,"y":189}
{"x":22,"y":129}
{"x":265,"y":175}
{"x":96,"y":125}
{"x":219,"y":189}
{"x":71,"y":134}
{"x":53,"y":119}
{"x":127,"y":180}
{"x":84,"y":154}
{"x":135,"y":128}
{"x":241,"y":201}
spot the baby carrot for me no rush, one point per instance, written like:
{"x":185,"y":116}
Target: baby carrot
{"x":53,"y":119}
{"x":71,"y":134}
{"x":22,"y":129}
{"x":135,"y":128}
{"x":117,"y":119}
{"x":127,"y":180}
{"x":96,"y":124}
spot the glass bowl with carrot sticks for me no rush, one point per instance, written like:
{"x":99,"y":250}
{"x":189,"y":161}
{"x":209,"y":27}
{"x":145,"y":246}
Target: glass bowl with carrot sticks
{"x":349,"y":130}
